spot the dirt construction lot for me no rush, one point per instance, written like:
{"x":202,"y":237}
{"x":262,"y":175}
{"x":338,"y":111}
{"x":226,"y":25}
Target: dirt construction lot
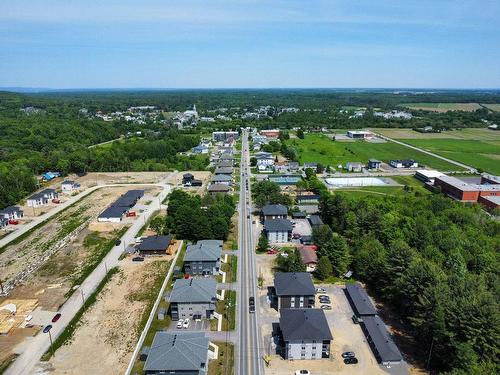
{"x":106,"y":337}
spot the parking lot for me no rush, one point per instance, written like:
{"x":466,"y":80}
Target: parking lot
{"x":347,"y":336}
{"x":302,"y":227}
{"x":202,"y":325}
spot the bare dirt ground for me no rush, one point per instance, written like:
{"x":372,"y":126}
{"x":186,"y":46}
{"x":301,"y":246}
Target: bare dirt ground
{"x":65,"y":234}
{"x":94,"y":178}
{"x":176,"y":180}
{"x":105,"y":340}
{"x":481,"y":134}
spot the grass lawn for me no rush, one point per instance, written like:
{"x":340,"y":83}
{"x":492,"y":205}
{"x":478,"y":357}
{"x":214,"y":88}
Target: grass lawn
{"x":224,"y":364}
{"x":232,"y":239}
{"x":479,"y":154}
{"x":493,"y":107}
{"x":227,"y":308}
{"x":319,"y":148}
{"x":443,"y":107}
{"x":230,"y":268}
{"x":411,"y":183}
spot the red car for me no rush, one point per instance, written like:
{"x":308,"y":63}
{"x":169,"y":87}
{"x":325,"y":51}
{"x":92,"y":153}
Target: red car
{"x":272,"y":252}
{"x":55,"y":200}
{"x":13,"y":222}
{"x":56,"y":317}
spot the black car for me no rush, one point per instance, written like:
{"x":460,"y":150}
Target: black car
{"x":118,"y":242}
{"x":351,"y":361}
{"x":251,"y":304}
{"x":138,"y":259}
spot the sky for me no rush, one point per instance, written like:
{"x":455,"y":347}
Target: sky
{"x":250,"y":44}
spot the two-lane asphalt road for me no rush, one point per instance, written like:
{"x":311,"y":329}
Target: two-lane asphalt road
{"x":249,"y":361}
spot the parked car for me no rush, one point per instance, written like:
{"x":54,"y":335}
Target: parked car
{"x":356,"y":320}
{"x":324,"y":299}
{"x":131,"y":214}
{"x":137,"y":259}
{"x":56,"y":201}
{"x":320,"y":290}
{"x":185,"y":325}
{"x":351,"y":361}
{"x":56,"y":317}
{"x":296,"y":236}
{"x":13,"y":222}
{"x":348,"y":355}
{"x":326,"y":307}
{"x":47,"y":328}
{"x":118,"y":242}
{"x":324,"y":296}
{"x":272,"y":251}
{"x":180,"y":323}
{"x":302,"y":372}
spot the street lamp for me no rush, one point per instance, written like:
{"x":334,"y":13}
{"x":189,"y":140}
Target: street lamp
{"x":47,"y":330}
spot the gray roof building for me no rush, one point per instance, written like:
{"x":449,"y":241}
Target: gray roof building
{"x":304,"y":324}
{"x":293,"y":284}
{"x":274,"y":210}
{"x":218,"y":188}
{"x":205,"y":250}
{"x":183,"y":352}
{"x":359,"y":299}
{"x":225,"y":170}
{"x":155,"y":243}
{"x":278,"y":225}
{"x":225,"y":163}
{"x":315,"y":220}
{"x":193,"y":290}
{"x":380,"y":340}
{"x":222,"y":178}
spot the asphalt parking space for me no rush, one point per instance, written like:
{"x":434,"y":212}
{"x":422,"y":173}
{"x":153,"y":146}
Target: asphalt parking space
{"x":302,"y":227}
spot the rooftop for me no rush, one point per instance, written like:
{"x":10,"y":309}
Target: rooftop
{"x":387,"y":350}
{"x":153,"y":243}
{"x":278,"y":225}
{"x":214,"y":188}
{"x":294,"y":284}
{"x":360,"y":300}
{"x":464,"y":186}
{"x":274,"y":210}
{"x":193,"y":290}
{"x":304,"y":324}
{"x":206,"y":250}
{"x":182,"y":351}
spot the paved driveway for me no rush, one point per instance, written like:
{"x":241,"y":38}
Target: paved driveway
{"x":302,"y":227}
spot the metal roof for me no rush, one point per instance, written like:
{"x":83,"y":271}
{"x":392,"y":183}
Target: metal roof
{"x":293,"y":284}
{"x":113,"y":211}
{"x":225,"y":170}
{"x":182,"y":351}
{"x":362,"y":303}
{"x":278,"y":225}
{"x":10,"y":209}
{"x":381,"y":339}
{"x":222,"y":177}
{"x":193,"y":290}
{"x":315,"y":220}
{"x":304,"y":324}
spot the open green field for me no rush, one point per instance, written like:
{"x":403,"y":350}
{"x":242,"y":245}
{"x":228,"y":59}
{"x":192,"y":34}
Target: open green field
{"x":481,"y":134}
{"x":318,"y":148}
{"x":443,"y":107}
{"x":493,"y":107}
{"x":479,"y":154}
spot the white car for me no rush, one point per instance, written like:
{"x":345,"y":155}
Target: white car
{"x":180,"y":323}
{"x":320,"y":290}
{"x":186,"y":324}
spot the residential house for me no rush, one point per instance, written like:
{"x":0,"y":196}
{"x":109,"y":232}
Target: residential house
{"x":407,"y":163}
{"x":278,"y":230}
{"x":274,"y":211}
{"x":123,"y":204}
{"x":226,"y":157}
{"x":225,"y":170}
{"x":187,"y":178}
{"x":215,"y":189}
{"x":305,"y":334}
{"x":225,"y":164}
{"x":293,"y":166}
{"x":354,"y":166}
{"x":310,"y":166}
{"x":47,"y":176}
{"x":271,"y":133}
{"x":69,"y":186}
{"x":42,"y":198}
{"x":203,"y":258}
{"x":184,"y":353}
{"x":155,"y":245}
{"x":11,"y":213}
{"x":223,"y":179}
{"x":193,"y":298}
{"x":224,"y":136}
{"x":298,"y":215}
{"x":294,"y":290}
{"x":200,"y":149}
{"x":374,"y":164}
{"x":265,"y":160}
{"x":309,"y":257}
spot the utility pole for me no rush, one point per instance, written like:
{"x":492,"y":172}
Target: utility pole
{"x":51,"y":345}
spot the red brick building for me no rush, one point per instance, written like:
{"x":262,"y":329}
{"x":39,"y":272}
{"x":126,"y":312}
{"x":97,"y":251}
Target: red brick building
{"x":463,"y":191}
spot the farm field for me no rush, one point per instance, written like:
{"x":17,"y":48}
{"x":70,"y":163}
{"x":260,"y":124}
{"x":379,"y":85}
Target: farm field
{"x":443,"y":107}
{"x":484,"y":155}
{"x":481,"y":134}
{"x":319,"y":148}
{"x":493,"y":107}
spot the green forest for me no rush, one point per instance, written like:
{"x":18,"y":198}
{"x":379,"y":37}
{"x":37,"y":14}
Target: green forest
{"x":434,"y":260}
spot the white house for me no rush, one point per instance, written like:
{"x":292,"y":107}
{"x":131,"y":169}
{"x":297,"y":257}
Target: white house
{"x":408,"y":163}
{"x":11,"y":213}
{"x":69,"y":186}
{"x":42,"y":198}
{"x":265,"y":160}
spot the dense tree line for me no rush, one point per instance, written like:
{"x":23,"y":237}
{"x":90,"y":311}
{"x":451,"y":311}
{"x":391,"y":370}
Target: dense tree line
{"x":193,"y":217}
{"x":433,"y":259}
{"x":269,"y":192}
